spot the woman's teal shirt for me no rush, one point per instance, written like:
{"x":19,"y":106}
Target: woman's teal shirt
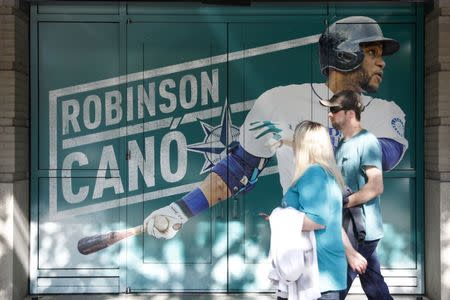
{"x":317,"y":194}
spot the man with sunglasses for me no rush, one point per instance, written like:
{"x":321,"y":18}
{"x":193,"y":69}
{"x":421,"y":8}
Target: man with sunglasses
{"x":358,"y":156}
{"x":351,"y":57}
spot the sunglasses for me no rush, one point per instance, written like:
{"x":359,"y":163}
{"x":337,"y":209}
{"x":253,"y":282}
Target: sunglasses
{"x":336,"y":109}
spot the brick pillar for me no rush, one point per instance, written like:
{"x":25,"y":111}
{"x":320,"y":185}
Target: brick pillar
{"x":437,"y":151}
{"x":14,"y":136}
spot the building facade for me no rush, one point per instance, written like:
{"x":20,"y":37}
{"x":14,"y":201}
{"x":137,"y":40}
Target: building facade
{"x":126,"y":97}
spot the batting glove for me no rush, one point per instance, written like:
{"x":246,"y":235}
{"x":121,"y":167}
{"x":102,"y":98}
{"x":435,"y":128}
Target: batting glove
{"x":165,"y":222}
{"x":273,"y":134}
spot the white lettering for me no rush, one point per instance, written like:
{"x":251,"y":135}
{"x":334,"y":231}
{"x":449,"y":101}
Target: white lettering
{"x":67,"y":189}
{"x":210,"y":87}
{"x":137,"y":162}
{"x":146,"y":99}
{"x":107,"y":162}
{"x":193,"y":83}
{"x":108,"y":110}
{"x":181,"y":145}
{"x":172,"y":105}
{"x":70,"y":117}
{"x":113,"y":109}
{"x":94,"y":99}
{"x":130,"y":109}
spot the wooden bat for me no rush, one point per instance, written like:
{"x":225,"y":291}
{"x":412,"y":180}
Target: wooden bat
{"x":101,"y":241}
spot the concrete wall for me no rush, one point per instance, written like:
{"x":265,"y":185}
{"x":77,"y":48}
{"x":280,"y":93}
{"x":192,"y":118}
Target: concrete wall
{"x":14,"y":145}
{"x":437,"y":151}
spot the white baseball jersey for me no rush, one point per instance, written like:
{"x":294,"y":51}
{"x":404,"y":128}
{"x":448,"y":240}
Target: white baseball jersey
{"x":295,"y":103}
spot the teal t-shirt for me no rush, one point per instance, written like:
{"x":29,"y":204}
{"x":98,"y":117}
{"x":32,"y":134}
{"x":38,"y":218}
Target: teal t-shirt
{"x":353,"y":156}
{"x":317,"y":194}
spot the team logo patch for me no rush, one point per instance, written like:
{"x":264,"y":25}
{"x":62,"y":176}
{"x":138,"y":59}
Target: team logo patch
{"x":335,"y":136}
{"x":398,"y":126}
{"x":217,"y":139}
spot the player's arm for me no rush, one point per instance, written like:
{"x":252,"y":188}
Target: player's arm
{"x":236,"y":173}
{"x":370,"y":190}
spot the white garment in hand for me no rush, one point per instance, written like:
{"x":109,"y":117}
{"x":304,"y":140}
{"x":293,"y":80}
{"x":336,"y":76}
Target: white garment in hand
{"x":293,"y":255}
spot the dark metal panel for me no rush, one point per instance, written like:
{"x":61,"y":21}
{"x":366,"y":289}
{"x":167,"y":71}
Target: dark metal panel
{"x":73,"y":7}
{"x":192,"y":8}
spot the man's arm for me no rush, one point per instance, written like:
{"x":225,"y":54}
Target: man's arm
{"x":355,"y":260}
{"x":370,"y":190}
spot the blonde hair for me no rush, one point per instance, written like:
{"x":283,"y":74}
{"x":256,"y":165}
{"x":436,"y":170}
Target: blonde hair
{"x":312,"y":145}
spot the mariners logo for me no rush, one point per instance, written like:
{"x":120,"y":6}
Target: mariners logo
{"x":398,"y":126}
{"x":217,"y":140}
{"x":335,"y":136}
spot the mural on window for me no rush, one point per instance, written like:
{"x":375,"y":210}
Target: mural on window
{"x":146,"y":161}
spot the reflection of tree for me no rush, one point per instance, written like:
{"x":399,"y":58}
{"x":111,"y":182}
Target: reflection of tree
{"x":395,"y":250}
{"x":211,"y":249}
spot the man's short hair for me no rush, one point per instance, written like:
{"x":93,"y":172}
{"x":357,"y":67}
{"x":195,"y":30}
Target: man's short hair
{"x":346,"y":100}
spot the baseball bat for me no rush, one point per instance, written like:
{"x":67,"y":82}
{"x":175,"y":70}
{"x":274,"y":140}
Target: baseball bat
{"x":94,"y":243}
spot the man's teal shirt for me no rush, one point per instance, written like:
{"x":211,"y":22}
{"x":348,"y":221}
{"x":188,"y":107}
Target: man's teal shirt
{"x":353,"y":156}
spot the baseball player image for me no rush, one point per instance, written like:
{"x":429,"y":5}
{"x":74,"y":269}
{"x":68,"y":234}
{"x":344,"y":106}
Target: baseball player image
{"x":351,"y":57}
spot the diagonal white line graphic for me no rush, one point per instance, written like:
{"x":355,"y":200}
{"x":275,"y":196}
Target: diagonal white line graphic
{"x":166,"y":122}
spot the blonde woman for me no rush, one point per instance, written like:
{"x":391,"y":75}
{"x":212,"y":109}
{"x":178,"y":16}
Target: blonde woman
{"x":316,"y":190}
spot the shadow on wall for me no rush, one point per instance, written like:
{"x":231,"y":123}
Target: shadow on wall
{"x":445,"y":254}
{"x":13,"y":247}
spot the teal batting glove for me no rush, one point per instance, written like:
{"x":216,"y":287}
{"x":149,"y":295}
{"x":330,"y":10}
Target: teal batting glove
{"x":274,"y":134}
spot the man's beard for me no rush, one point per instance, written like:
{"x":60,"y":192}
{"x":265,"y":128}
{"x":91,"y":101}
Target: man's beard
{"x":336,"y":125}
{"x":364,"y":81}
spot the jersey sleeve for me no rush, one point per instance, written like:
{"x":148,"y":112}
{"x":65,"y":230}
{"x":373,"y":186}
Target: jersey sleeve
{"x":313,"y":194}
{"x":262,"y":110}
{"x":284,"y":104}
{"x":371,"y":153}
{"x":385,"y":119}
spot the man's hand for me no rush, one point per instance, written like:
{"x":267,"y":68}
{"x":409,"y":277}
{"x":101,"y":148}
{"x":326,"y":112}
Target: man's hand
{"x":165,"y":222}
{"x":347,"y":192}
{"x":357,"y":262}
{"x":273,"y":134}
{"x":370,"y":190}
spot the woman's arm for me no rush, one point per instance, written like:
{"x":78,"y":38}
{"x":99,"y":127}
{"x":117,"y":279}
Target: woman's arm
{"x":309,"y":225}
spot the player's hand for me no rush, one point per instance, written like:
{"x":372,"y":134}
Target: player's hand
{"x":357,"y":262}
{"x":273,"y":134}
{"x":165,"y":222}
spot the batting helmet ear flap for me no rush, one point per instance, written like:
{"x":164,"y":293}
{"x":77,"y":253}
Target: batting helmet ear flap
{"x":346,"y":57}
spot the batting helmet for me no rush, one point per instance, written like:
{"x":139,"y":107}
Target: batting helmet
{"x":340,"y":44}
